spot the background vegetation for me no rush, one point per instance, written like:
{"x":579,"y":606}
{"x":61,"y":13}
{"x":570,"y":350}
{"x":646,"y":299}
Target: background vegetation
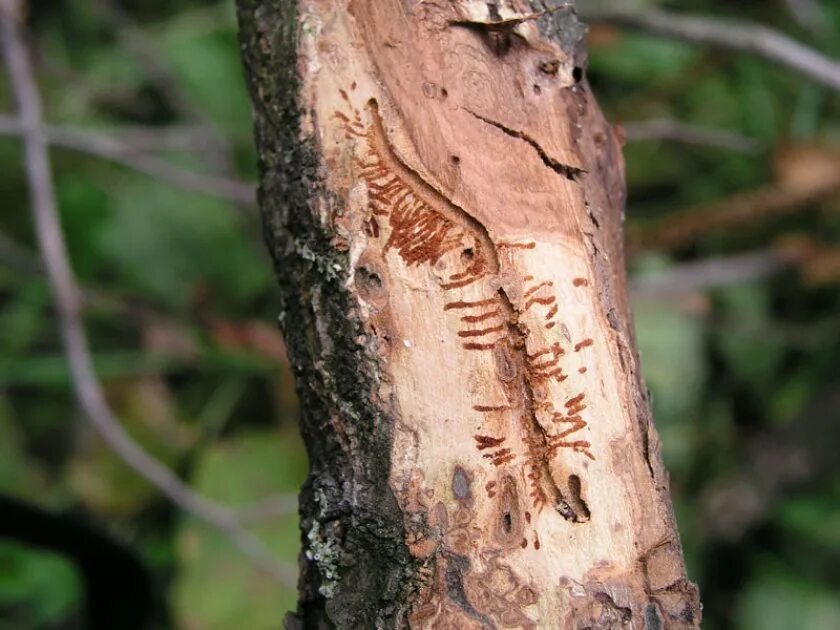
{"x":741,"y":357}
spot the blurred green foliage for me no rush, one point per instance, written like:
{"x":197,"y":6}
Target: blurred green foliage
{"x":181,"y":303}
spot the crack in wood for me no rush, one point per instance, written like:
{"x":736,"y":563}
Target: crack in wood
{"x":569,"y":172}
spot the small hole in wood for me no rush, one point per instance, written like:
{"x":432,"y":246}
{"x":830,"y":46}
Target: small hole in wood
{"x":507,"y":522}
{"x":577,"y":74}
{"x":455,"y":160}
{"x":443,"y":92}
{"x":537,"y":89}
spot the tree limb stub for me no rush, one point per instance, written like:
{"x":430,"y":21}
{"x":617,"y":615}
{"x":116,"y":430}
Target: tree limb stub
{"x":445,"y":217}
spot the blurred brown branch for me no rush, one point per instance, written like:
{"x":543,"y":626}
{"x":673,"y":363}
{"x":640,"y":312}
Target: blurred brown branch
{"x":114,"y":150}
{"x":672,"y":130}
{"x":67,"y":299}
{"x":736,"y":36}
{"x":806,"y":175}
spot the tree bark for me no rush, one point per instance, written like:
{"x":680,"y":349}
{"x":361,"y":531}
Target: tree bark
{"x":443,"y":201}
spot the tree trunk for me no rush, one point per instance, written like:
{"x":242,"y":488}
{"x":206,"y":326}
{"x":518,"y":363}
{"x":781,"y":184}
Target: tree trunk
{"x":443,"y":201}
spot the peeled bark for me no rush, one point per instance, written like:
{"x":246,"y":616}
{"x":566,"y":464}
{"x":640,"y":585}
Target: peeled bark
{"x":443,"y":200}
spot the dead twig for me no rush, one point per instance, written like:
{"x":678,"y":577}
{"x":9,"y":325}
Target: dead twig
{"x":267,"y":509}
{"x":114,"y":150}
{"x":711,"y":273}
{"x":736,"y":36}
{"x":772,"y":200}
{"x":67,"y":299}
{"x":671,"y":130}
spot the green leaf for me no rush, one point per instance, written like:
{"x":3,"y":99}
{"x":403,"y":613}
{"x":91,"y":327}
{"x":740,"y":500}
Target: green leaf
{"x":207,"y":63}
{"x":815,"y":519}
{"x":37,"y":589}
{"x":216,"y":586}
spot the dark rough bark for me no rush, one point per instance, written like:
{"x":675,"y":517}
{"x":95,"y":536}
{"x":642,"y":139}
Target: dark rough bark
{"x":350,"y":521}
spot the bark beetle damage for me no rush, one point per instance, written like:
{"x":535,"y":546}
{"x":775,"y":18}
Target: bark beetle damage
{"x":452,"y":591}
{"x":374,"y":561}
{"x":425,"y":225}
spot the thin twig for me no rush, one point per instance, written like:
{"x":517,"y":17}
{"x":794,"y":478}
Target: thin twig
{"x":672,"y":130}
{"x":109,"y":148}
{"x":710,"y":273}
{"x":68,"y":305}
{"x":148,"y":56}
{"x":737,"y":36}
{"x":267,"y":509}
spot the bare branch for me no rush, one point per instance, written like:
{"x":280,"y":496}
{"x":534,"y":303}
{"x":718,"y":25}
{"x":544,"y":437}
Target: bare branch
{"x":113,"y":150}
{"x":667,"y":129}
{"x":711,"y":273}
{"x":133,"y":39}
{"x":267,"y":509}
{"x":68,"y":305}
{"x":738,"y":36}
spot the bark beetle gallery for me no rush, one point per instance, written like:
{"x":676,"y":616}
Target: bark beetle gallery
{"x":424,"y":227}
{"x":470,"y":182}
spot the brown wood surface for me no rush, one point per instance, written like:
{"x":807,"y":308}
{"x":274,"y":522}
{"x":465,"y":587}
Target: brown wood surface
{"x":476,"y":192}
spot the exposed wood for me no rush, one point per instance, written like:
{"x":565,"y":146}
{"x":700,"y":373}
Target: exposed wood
{"x":443,"y":199}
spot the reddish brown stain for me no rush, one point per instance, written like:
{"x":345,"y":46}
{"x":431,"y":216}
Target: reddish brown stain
{"x":481,"y":332}
{"x":479,"y":346}
{"x":534,"y":289}
{"x":580,"y":282}
{"x":583,"y":344}
{"x":485,"y":441}
{"x":490,"y":408}
{"x":545,"y":301}
{"x":571,"y":402}
{"x":474,"y":304}
{"x":474,"y":319}
{"x":537,"y":494}
{"x":502,"y":456}
{"x":505,"y":245}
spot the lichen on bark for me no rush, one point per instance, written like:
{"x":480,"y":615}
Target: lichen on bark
{"x":355,"y":569}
